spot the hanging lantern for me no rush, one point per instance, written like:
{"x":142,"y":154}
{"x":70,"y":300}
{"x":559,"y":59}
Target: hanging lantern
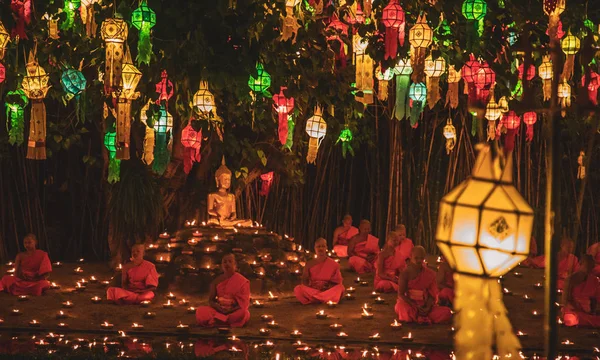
{"x":316,"y":128}
{"x":420,"y":37}
{"x":2,"y":73}
{"x":15,"y":103}
{"x":492,"y":114}
{"x":266,"y":180}
{"x":469,"y":73}
{"x":356,"y":14}
{"x":88,"y":17}
{"x":290,"y":22}
{"x":384,"y":79}
{"x":192,"y":141}
{"x":484,"y":230}
{"x":337,"y":28}
{"x":143,"y":18}
{"x":570,"y":46}
{"x":433,"y":70}
{"x":511,"y":121}
{"x":114,"y":32}
{"x":283,"y":106}
{"x":22,"y":14}
{"x":114,"y":164}
{"x":581,"y":167}
{"x":564,"y":97}
{"x":346,"y":139}
{"x":35,"y":85}
{"x":417,"y":93}
{"x":394,"y":20}
{"x":546,"y":74}
{"x":130,"y":79}
{"x":553,"y":8}
{"x":592,"y":86}
{"x":148,"y":154}
{"x":529,"y":118}
{"x":204,"y":100}
{"x":164,"y":130}
{"x":290,"y":138}
{"x":4,"y":39}
{"x":452,"y":93}
{"x":261,"y":83}
{"x":530,"y":71}
{"x":484,"y":80}
{"x":363,"y":64}
{"x":403,"y":69}
{"x":73,"y":82}
{"x":53,"y":29}
{"x":71,"y":6}
{"x":450,"y":135}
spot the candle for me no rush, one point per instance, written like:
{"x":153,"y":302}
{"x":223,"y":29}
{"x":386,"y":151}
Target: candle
{"x":367,"y":307}
{"x":61,"y":315}
{"x":171,"y":296}
{"x":506,"y":292}
{"x":164,"y":235}
{"x":62,"y":325}
{"x":535,"y":314}
{"x":527,"y":298}
{"x":23,"y":297}
{"x":41,"y":344}
{"x":10,"y":271}
{"x":272,"y":324}
{"x":342,"y":334}
{"x":566,"y":342}
{"x":331,"y":304}
{"x":273,"y":297}
{"x":321,"y":314}
{"x":264,"y":331}
{"x":364,"y":283}
{"x":197,"y":233}
{"x":375,"y":337}
{"x":350,"y":290}
{"x":374,"y":294}
{"x":521,"y":334}
{"x":78,"y":270}
{"x":67,"y":304}
{"x":145,"y":303}
{"x":15,"y":312}
{"x":258,"y":304}
{"x":93,"y":279}
{"x":303,"y":349}
{"x":168,"y":305}
{"x":182,"y":327}
{"x":57,"y":264}
{"x":266,"y":317}
{"x":106,"y":325}
{"x":349,"y":296}
{"x":149,"y":315}
{"x":183,"y":302}
{"x":79,"y":286}
{"x":81,"y":261}
{"x":105,"y":282}
{"x":54,"y":286}
{"x":559,"y":322}
{"x":518,"y":274}
{"x":268,"y":344}
{"x":538,"y":285}
{"x":137,"y":326}
{"x":366,"y":315}
{"x":357,"y":280}
{"x":191,"y":310}
{"x":408,"y":338}
{"x":295,"y":334}
{"x":34,"y":323}
{"x":379,"y":300}
{"x":336,"y":326}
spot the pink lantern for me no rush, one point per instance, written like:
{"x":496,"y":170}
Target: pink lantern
{"x":484,"y":80}
{"x":2,"y":73}
{"x":192,"y":141}
{"x":164,"y":88}
{"x":530,"y":72}
{"x":283,"y":106}
{"x":338,"y":27}
{"x":393,"y":19}
{"x":22,"y":15}
{"x":468,"y":73}
{"x":529,"y":118}
{"x":511,"y":121}
{"x":266,"y":182}
{"x":592,"y":86}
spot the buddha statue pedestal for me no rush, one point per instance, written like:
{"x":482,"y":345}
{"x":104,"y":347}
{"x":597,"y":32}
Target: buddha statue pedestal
{"x":221,"y":204}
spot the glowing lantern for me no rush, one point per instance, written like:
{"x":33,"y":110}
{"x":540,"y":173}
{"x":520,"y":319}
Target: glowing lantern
{"x":290,"y":22}
{"x":192,"y":141}
{"x":493,"y":112}
{"x":143,"y":18}
{"x":417,"y":93}
{"x":204,"y":100}
{"x":420,"y":37}
{"x":363,"y":64}
{"x":529,"y":118}
{"x":469,"y":73}
{"x":511,"y":121}
{"x":4,"y":39}
{"x":114,"y":32}
{"x":73,"y":82}
{"x":452,"y":93}
{"x":283,"y":107}
{"x":484,"y":80}
{"x":384,"y":79}
{"x":70,"y":7}
{"x":22,"y":14}
{"x":336,"y":27}
{"x":403,"y":69}
{"x":450,"y":135}
{"x":130,"y":79}
{"x":592,"y":86}
{"x":261,"y":83}
{"x":35,"y":85}
{"x":15,"y":103}
{"x":266,"y":180}
{"x":393,"y":19}
{"x":553,"y":8}
{"x":570,"y":46}
{"x":2,"y":73}
{"x":484,"y":230}
{"x":88,"y":17}
{"x":346,"y":139}
{"x":114,"y":165}
{"x":546,"y":74}
{"x":316,"y":128}
{"x":564,"y":97}
{"x":164,"y":129}
{"x":474,"y":11}
{"x":530,"y":72}
{"x":148,"y":154}
{"x":434,"y":69}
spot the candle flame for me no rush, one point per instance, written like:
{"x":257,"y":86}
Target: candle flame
{"x":365,"y":312}
{"x":321,"y":312}
{"x":271,"y":295}
{"x":342,"y":333}
{"x":396,"y":323}
{"x":409,"y":335}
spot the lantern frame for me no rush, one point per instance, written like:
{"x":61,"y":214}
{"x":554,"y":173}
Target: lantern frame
{"x":282,"y":104}
{"x":470,"y":69}
{"x":417,"y":92}
{"x":529,"y":118}
{"x":435,"y":68}
{"x":316,"y":127}
{"x":164,"y":123}
{"x":143,"y":16}
{"x":203,"y":99}
{"x":474,"y":9}
{"x":114,"y":30}
{"x":570,"y":44}
{"x":485,"y":77}
{"x":131,"y":77}
{"x":511,"y":120}
{"x":403,"y":67}
{"x":530,"y":71}
{"x":545,"y":70}
{"x":261,"y":82}
{"x":421,"y":34}
{"x":73,"y":81}
{"x":190,"y":138}
{"x":35,"y":83}
{"x":110,"y":142}
{"x":393,"y":15}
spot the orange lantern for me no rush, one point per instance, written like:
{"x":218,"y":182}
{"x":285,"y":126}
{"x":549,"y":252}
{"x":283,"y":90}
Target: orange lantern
{"x":192,"y":141}
{"x":529,"y":118}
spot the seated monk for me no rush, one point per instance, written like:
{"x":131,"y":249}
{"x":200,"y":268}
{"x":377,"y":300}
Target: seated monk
{"x":445,"y":283}
{"x":417,"y":293}
{"x":229,"y":298}
{"x":594,"y":250}
{"x":321,"y":279}
{"x":388,"y":266}
{"x":405,"y":245}
{"x":31,"y":271}
{"x":582,"y":295}
{"x":363,"y":249}
{"x":567,"y":262}
{"x":342,"y":235}
{"x":139,"y":279}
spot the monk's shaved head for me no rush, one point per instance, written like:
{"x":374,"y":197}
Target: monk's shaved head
{"x":347,"y":217}
{"x":417,"y":255}
{"x":365,"y":222}
{"x":229,"y":255}
{"x":138,"y":245}
{"x":418,"y":250}
{"x":320,"y":240}
{"x":364,"y":227}
{"x":31,"y":236}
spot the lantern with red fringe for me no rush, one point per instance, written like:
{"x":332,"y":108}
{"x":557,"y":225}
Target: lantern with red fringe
{"x":546,"y":74}
{"x":393,"y":19}
{"x":529,"y":118}
{"x":570,"y":45}
{"x":192,"y":141}
{"x":553,"y":8}
{"x":469,"y":71}
{"x":452,"y":93}
{"x":283,"y":106}
{"x":511,"y":121}
{"x":592,"y":86}
{"x":433,"y":70}
{"x":564,"y":97}
{"x":266,"y":182}
{"x":484,"y":80}
{"x":420,"y":37}
{"x":338,"y":28}
{"x":22,"y":15}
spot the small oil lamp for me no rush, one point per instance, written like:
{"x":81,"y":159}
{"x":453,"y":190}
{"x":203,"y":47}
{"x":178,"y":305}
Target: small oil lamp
{"x":364,"y":283}
{"x":321,"y":315}
{"x":518,"y":274}
{"x":336,"y":326}
{"x":357,"y":280}
{"x":192,"y":242}
{"x":62,"y":325}
{"x":567,"y":342}
{"x":10,"y":271}
{"x":527,"y":298}
{"x":264,"y":331}
{"x":183,"y":302}
{"x":67,"y":304}
{"x":341,"y":335}
{"x":215,"y":238}
{"x":331,"y":304}
{"x":197,"y":233}
{"x":168,"y":305}
{"x":105,"y":282}
{"x":521,"y":335}
{"x":79,"y":286}
{"x":375,"y":337}
{"x":349,"y":296}
{"x":81,"y":260}
{"x":379,"y":300}
{"x":171,"y":296}
{"x":54,"y":286}
{"x":106,"y":325}
{"x":396,"y":325}
{"x":78,"y":270}
{"x":149,"y":315}
{"x":56,"y":264}
{"x":266,"y":317}
{"x":23,"y":297}
{"x":42,"y":344}
{"x":366,"y":315}
{"x":191,"y":310}
{"x":164,"y":235}
{"x":15,"y":312}
{"x":93,"y":279}
{"x":272,"y":324}
{"x":258,"y":304}
{"x":408,"y":338}
{"x":536,"y":314}
{"x":538,"y":285}
{"x":145,"y":303}
{"x":374,"y":294}
{"x":296,"y":334}
{"x":506,"y":292}
{"x":302,"y":349}
{"x":61,"y":315}
{"x":367,"y":307}
{"x":182,"y":327}
{"x":350,"y":290}
{"x":273,"y":297}
{"x":136,"y":326}
{"x":34,"y":323}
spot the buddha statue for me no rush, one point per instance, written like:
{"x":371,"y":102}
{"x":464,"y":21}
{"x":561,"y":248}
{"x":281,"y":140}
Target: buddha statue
{"x":221,"y":204}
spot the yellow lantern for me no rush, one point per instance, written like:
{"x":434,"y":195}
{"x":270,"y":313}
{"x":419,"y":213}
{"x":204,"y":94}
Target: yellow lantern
{"x":4,"y":39}
{"x":148,"y":155}
{"x":553,"y":8}
{"x":484,"y":230}
{"x":35,"y":85}
{"x":434,"y":69}
{"x":88,"y":17}
{"x":570,"y":45}
{"x":450,"y":135}
{"x":452,"y":93}
{"x":364,"y":70}
{"x":420,"y":37}
{"x":204,"y":100}
{"x":564,"y":97}
{"x":493,"y":112}
{"x":384,"y":79}
{"x":130,"y":79}
{"x":114,"y":32}
{"x":546,"y":73}
{"x":316,"y":128}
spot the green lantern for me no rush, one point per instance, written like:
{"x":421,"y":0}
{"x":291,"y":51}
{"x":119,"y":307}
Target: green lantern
{"x":71,"y":6}
{"x":16,"y":101}
{"x":164,"y":128}
{"x":114,"y":165}
{"x":418,"y":94}
{"x":143,"y":18}
{"x":346,"y":139}
{"x":474,"y":11}
{"x":73,"y":82}
{"x":261,"y":83}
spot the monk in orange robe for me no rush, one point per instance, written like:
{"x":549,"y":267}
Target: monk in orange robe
{"x":363,"y":249}
{"x":582,"y":295}
{"x":342,"y":235}
{"x":417,"y":293}
{"x":321,"y":280}
{"x":139,"y":279}
{"x":445,"y":283}
{"x":388,"y":266}
{"x":229,"y":298}
{"x":594,"y":251}
{"x":32,"y":268}
{"x":567,"y":262}
{"x":405,"y":245}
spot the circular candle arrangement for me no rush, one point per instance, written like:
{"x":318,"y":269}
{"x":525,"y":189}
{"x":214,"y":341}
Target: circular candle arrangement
{"x":321,"y":315}
{"x":296,"y":334}
{"x":149,"y":315}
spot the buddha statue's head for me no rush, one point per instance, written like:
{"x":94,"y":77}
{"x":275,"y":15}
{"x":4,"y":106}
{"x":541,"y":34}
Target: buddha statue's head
{"x":223,"y":176}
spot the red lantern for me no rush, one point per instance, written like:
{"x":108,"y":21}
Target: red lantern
{"x":2,"y":73}
{"x":592,"y":86}
{"x":511,"y":121}
{"x":283,"y":106}
{"x":484,"y":80}
{"x":192,"y":141}
{"x":393,"y":19}
{"x":338,"y":27}
{"x":164,"y":88}
{"x":530,"y":72}
{"x":22,"y":14}
{"x":267,"y":181}
{"x":529,"y":118}
{"x":468,"y":73}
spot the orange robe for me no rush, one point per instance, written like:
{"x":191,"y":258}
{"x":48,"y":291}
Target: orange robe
{"x":235,"y":290}
{"x":325,"y":284}
{"x":359,"y":262}
{"x":392,"y":265}
{"x":341,"y":247}
{"x":566,"y":267}
{"x":582,"y":294}
{"x":447,"y":294}
{"x":403,"y":250}
{"x":419,"y":290}
{"x":139,"y":278}
{"x":35,"y":265}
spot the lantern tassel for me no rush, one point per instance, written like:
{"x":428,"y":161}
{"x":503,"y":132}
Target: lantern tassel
{"x":491,"y":130}
{"x":144,"y":45}
{"x":509,"y":141}
{"x":529,"y":133}
{"x":474,"y":126}
{"x":433,"y":90}
{"x":290,"y":135}
{"x":313,"y":149}
{"x":36,"y":146}
{"x":17,"y":124}
{"x":148,"y":155}
{"x":382,"y":93}
{"x":547,"y":89}
{"x":415,"y":112}
{"x":161,"y":154}
{"x":364,"y":77}
{"x":391,"y":42}
{"x":452,"y":95}
{"x":282,"y":130}
{"x":114,"y":169}
{"x":568,"y":67}
{"x":417,"y":59}
{"x":400,"y":107}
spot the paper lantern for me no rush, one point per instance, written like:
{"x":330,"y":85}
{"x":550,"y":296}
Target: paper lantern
{"x":21,"y":12}
{"x":592,"y":86}
{"x":420,"y":37}
{"x":143,"y":18}
{"x":164,"y":88}
{"x":71,"y":6}
{"x":511,"y":121}
{"x":492,"y":113}
{"x":546,"y":73}
{"x":266,"y":180}
{"x":163,"y":128}
{"x":15,"y":102}
{"x":450,"y":135}
{"x":553,"y":8}
{"x":114,"y":164}
{"x":393,"y":19}
{"x":564,"y":97}
{"x":570,"y":45}
{"x":35,"y":85}
{"x":114,"y":32}
{"x":581,"y":167}
{"x":474,"y":11}
{"x":148,"y":151}
{"x":434,"y":69}
{"x":204,"y":100}
{"x":261,"y":83}
{"x":192,"y":141}
{"x":283,"y":106}
{"x":130,"y":79}
{"x":383,"y":84}
{"x":417,"y":93}
{"x":4,"y":39}
{"x":86,"y":10}
{"x":316,"y":128}
{"x":290,"y":22}
{"x":469,"y":74}
{"x":530,"y":71}
{"x":403,"y":69}
{"x":453,"y":81}
{"x":2,"y":73}
{"x":484,"y":80}
{"x":529,"y":118}
{"x":73,"y":82}
{"x":363,"y":64}
{"x":484,"y":230}
{"x":346,"y":137}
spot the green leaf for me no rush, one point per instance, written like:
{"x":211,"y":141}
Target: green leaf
{"x":58,"y":138}
{"x":262,"y":157}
